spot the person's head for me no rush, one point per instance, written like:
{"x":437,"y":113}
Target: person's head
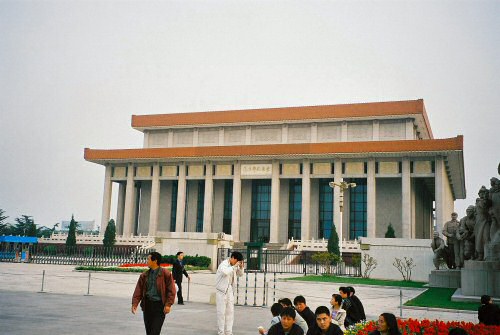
{"x":336,"y":300}
{"x":344,"y":292}
{"x":323,"y":317}
{"x":236,"y":257}
{"x":351,"y":290}
{"x":454,"y":216}
{"x":276,"y":309}
{"x":457,"y":331}
{"x":154,"y":259}
{"x":486,"y":299}
{"x":470,"y":211}
{"x":180,"y":255}
{"x":300,"y":303}
{"x":436,"y":234}
{"x":287,"y":318}
{"x":387,"y":323}
{"x":285,"y":302}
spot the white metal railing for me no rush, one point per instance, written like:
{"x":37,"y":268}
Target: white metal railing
{"x":321,"y":245}
{"x":142,"y":241}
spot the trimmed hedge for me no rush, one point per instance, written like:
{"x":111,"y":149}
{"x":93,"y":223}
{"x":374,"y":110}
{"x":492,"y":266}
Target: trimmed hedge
{"x":201,"y":261}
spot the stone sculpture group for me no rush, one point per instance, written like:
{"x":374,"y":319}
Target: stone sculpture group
{"x":476,"y":236}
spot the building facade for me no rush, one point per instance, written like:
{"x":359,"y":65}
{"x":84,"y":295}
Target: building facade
{"x":264,"y":174}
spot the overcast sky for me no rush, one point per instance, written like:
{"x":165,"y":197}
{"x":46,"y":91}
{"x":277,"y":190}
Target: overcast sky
{"x":73,"y":72}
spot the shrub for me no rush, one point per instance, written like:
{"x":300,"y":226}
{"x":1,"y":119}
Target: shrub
{"x":326,"y":259}
{"x":201,"y":261}
{"x":370,"y":265}
{"x":404,"y":266}
{"x":390,"y":232}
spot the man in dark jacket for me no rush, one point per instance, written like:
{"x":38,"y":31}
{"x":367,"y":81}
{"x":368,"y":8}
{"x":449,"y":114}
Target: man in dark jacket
{"x":155,"y":291}
{"x":177,"y":271}
{"x":352,"y":313}
{"x":287,"y":324}
{"x":355,"y":300}
{"x":304,"y":311}
{"x":324,"y":325}
{"x":488,"y":313}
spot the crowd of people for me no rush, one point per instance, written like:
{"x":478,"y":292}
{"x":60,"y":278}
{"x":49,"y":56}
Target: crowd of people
{"x":156,"y":290}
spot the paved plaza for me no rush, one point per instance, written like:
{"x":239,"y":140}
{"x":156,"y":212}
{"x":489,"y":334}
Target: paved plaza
{"x":65,"y":307}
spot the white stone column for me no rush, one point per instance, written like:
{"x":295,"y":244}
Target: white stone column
{"x":129,"y":216}
{"x":236,"y":207}
{"x":406,"y":199}
{"x":371,"y":199}
{"x":305,"y":226}
{"x":337,"y":216}
{"x":155,"y":200}
{"x":209,"y":195}
{"x":120,"y":209}
{"x":106,"y":199}
{"x":181,"y":199}
{"x":440,"y":198}
{"x":275,"y":203}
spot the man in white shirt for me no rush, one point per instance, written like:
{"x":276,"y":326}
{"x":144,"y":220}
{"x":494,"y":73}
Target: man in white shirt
{"x":225,"y":279}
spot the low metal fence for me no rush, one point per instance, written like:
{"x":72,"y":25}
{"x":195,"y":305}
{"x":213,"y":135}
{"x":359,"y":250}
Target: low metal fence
{"x":290,"y":261}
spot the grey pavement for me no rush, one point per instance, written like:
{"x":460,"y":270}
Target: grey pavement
{"x":65,"y":308}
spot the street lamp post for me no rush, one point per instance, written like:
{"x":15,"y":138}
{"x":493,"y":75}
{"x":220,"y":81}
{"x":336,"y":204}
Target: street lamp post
{"x":342,"y":185}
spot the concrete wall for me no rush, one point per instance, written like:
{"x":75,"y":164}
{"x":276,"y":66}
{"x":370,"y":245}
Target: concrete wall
{"x":191,"y":205}
{"x":144,"y":208}
{"x":388,"y":197}
{"x":385,"y":250}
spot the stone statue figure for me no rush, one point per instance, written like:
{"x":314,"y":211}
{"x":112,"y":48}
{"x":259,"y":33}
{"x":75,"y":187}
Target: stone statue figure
{"x":482,"y":227}
{"x":439,"y":248}
{"x":450,"y":231}
{"x":494,"y":212}
{"x":465,"y":236}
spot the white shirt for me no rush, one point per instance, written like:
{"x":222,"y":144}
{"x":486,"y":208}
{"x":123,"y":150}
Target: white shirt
{"x":225,"y":276}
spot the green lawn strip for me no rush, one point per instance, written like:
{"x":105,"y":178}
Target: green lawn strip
{"x":131,"y":269}
{"x":440,"y":298}
{"x":362,"y":281}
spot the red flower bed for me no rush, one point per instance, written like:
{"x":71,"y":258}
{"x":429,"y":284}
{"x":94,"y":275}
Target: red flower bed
{"x":427,"y":327}
{"x":143,"y":265}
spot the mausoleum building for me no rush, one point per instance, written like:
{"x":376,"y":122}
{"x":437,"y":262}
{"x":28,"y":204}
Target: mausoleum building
{"x":264,"y":174}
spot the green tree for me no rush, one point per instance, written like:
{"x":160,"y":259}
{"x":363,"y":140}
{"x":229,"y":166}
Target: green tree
{"x":5,"y":228}
{"x":25,"y":226}
{"x":390,"y":232}
{"x":110,"y":234}
{"x":333,"y":242}
{"x":71,"y":240}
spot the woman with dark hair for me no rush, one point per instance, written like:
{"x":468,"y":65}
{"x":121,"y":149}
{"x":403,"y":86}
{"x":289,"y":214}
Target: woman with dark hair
{"x":338,"y":314}
{"x":386,"y":325}
{"x":488,"y":313}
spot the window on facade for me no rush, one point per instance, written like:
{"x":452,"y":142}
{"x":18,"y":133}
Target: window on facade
{"x":261,"y":211}
{"x":173,"y":202}
{"x":228,"y":206}
{"x":325,"y":209}
{"x":357,"y":209}
{"x":200,"y":206}
{"x":294,"y":208}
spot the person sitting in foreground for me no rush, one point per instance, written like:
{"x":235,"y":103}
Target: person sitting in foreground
{"x":386,"y":325}
{"x":338,"y":314}
{"x":285,"y":302}
{"x":324,"y":325}
{"x":276,"y":309}
{"x":287,"y":324}
{"x":488,"y":313}
{"x":304,"y":311}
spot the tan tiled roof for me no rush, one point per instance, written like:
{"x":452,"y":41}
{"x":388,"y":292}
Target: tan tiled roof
{"x":403,"y":146}
{"x":358,"y":110}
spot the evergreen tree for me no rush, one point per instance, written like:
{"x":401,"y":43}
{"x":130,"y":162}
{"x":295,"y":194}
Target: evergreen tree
{"x":71,"y":240}
{"x":25,"y":226}
{"x":110,"y":234}
{"x":333,"y":242}
{"x":5,"y":228}
{"x":390,"y":232}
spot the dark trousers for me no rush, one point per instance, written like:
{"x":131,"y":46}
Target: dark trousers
{"x":153,"y":317}
{"x":180,"y":300}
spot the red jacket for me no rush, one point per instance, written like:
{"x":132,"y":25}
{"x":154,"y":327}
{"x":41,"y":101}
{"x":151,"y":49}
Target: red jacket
{"x":165,"y":284}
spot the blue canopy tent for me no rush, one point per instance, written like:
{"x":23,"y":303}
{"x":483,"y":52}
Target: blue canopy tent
{"x":16,"y":247}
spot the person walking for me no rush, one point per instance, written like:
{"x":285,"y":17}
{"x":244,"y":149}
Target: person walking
{"x":155,"y":292}
{"x":224,"y":287}
{"x":178,"y":270}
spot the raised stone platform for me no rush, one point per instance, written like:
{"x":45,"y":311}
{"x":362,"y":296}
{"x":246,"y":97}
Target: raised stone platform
{"x":445,"y":278}
{"x":481,"y":277}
